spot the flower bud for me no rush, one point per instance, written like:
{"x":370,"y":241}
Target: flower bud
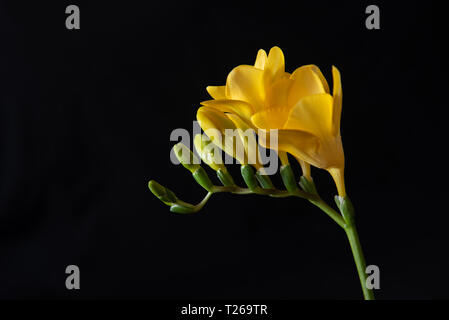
{"x":202,"y":178}
{"x":225,"y":178}
{"x":165,"y":195}
{"x":206,"y":149}
{"x":264,"y":180}
{"x":307,"y":185}
{"x":186,"y":157}
{"x":288,"y":178}
{"x":249,"y":177}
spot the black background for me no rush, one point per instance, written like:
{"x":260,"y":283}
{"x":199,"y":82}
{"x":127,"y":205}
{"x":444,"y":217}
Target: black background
{"x":85,"y":121}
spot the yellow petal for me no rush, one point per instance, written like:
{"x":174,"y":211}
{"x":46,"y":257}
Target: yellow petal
{"x":217,"y":125}
{"x":261,"y":59}
{"x":300,"y":144}
{"x":248,"y":139}
{"x":271,"y":118}
{"x":246,"y":83}
{"x":241,"y":108}
{"x":217,"y":92}
{"x":338,"y":96}
{"x":278,"y":93}
{"x":321,"y":76}
{"x":283,"y":157}
{"x":210,"y":118}
{"x":275,"y":66}
{"x":312,"y":114}
{"x":306,"y":81}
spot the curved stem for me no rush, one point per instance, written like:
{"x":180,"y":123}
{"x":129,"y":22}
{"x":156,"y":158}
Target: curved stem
{"x":334,"y":215}
{"x":344,"y":220}
{"x":348,"y":226}
{"x":200,"y":205}
{"x":316,"y":200}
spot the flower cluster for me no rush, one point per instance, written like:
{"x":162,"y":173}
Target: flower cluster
{"x":298,"y":105}
{"x":296,"y":108}
{"x":299,"y":110}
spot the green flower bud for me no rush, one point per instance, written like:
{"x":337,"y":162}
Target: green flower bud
{"x":288,"y":178}
{"x":307,"y":185}
{"x":225,"y":177}
{"x":186,"y":157}
{"x":248,"y":175}
{"x":264,"y":181}
{"x":165,"y":195}
{"x":202,"y":178}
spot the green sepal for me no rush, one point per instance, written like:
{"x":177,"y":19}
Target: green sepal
{"x":249,"y":176}
{"x":264,"y":181}
{"x":288,"y":178}
{"x":202,"y":178}
{"x":307,"y":185}
{"x":164,"y":194}
{"x":338,"y":201}
{"x":346,"y":208}
{"x":178,"y":208}
{"x":225,"y":177}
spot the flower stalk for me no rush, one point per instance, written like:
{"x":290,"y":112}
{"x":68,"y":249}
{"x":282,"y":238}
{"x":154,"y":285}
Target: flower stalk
{"x":305,"y":116}
{"x":356,"y":248}
{"x":345,"y":219}
{"x":347,"y":211}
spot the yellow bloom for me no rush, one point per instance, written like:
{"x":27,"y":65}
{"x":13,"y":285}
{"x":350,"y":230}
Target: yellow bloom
{"x":238,"y":96}
{"x":298,"y":105}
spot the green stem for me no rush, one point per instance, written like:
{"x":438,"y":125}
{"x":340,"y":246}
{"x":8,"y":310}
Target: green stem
{"x":356,"y":247}
{"x":348,"y":226}
{"x":334,"y":215}
{"x":200,"y":205}
{"x":316,"y":200}
{"x":268,"y":192}
{"x":346,"y":220}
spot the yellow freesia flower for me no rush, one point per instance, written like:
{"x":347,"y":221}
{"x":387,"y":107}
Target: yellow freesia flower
{"x":298,"y":105}
{"x":243,"y":107}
